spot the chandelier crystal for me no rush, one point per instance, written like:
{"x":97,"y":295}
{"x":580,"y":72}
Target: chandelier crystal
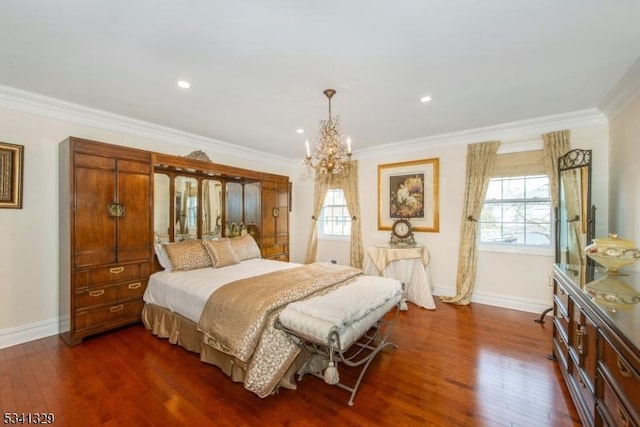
{"x":330,"y":154}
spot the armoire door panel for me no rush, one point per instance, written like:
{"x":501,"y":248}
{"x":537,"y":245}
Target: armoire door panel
{"x":94,"y":230}
{"x":134,"y":227}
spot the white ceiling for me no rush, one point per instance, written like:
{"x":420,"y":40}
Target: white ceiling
{"x":258,"y":67}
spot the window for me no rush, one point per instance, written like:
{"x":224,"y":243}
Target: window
{"x":517,"y":211}
{"x":335,"y":220}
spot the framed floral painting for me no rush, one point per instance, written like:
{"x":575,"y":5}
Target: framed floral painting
{"x":409,"y":190}
{"x":11,"y":162}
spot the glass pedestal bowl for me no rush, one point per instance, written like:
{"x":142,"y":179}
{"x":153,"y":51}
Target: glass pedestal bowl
{"x":613,"y":253}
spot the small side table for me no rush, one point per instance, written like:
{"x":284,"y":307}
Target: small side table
{"x":409,"y":265}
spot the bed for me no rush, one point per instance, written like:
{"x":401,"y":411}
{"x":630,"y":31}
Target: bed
{"x":222,"y":300}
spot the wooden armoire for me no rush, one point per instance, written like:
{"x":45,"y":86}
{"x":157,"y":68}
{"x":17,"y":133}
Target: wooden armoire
{"x":274,"y":236}
{"x":106,"y":238}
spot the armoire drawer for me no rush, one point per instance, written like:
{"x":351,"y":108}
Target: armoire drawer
{"x":623,"y":370}
{"x":111,"y":274}
{"x":268,"y":251}
{"x":95,"y":296}
{"x":106,"y":315}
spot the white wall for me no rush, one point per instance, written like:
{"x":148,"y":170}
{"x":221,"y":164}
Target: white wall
{"x":504,"y":279}
{"x":29,"y":236}
{"x":624,"y":193}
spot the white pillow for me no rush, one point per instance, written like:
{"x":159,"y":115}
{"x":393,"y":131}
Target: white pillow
{"x":163,"y":258}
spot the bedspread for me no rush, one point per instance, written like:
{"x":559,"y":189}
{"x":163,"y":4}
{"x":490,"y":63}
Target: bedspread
{"x":239,"y":318}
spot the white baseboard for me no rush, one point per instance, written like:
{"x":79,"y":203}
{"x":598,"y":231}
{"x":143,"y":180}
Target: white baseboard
{"x":496,"y":300}
{"x":21,"y":334}
{"x":34,"y":331}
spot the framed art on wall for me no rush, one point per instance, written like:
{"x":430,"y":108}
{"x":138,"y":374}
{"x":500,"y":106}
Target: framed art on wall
{"x":11,"y":160}
{"x":409,"y":190}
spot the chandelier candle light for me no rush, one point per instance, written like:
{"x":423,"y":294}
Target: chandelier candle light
{"x":330,"y":154}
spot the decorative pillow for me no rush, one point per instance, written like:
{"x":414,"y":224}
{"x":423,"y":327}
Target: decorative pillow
{"x":245,"y":247}
{"x":221,"y":252}
{"x":163,"y":258}
{"x":188,"y":255}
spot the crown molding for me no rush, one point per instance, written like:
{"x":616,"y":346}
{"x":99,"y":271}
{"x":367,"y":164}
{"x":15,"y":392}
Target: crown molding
{"x":623,"y":93}
{"x":524,"y":130}
{"x":32,"y":103}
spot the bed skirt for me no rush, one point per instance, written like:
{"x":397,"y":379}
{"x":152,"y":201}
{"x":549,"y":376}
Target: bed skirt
{"x":183,"y":332}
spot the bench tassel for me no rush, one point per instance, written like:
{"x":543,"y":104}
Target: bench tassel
{"x":331,"y":375}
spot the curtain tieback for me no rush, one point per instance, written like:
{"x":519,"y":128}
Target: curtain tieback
{"x":314,"y":218}
{"x":471,"y":218}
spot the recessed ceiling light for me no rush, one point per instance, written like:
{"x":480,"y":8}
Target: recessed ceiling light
{"x":184,"y":84}
{"x":425,"y":99}
{"x":299,"y":130}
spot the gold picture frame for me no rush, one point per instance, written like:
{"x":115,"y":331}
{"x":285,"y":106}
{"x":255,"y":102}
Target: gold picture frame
{"x":11,"y":162}
{"x":409,"y":190}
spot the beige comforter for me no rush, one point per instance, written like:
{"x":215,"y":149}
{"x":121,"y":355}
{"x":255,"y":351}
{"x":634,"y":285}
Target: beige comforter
{"x":239,"y":318}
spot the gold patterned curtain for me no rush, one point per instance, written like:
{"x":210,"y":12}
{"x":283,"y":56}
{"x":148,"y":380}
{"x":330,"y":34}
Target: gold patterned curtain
{"x":480,"y":160}
{"x":322,"y":182}
{"x":347,"y":180}
{"x":555,"y":145}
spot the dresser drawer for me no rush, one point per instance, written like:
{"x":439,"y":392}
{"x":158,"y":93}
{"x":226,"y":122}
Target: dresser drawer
{"x":560,"y":338}
{"x":90,"y":319}
{"x":101,"y":295}
{"x":615,"y":412}
{"x":112,"y":274}
{"x":581,"y":382}
{"x":623,"y":370}
{"x":561,"y":319}
{"x":561,"y":297}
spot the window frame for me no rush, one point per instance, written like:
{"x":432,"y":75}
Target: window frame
{"x":321,"y":219}
{"x":529,"y":249}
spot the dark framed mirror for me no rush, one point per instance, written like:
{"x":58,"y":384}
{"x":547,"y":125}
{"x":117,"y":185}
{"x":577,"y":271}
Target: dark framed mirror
{"x":575,"y":218}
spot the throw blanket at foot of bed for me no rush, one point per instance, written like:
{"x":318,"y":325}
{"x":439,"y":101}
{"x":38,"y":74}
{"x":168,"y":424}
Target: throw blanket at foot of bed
{"x":239,"y":318}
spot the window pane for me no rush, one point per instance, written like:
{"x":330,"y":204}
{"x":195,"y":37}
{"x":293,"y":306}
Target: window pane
{"x":513,"y":233}
{"x":513,"y":212}
{"x":494,"y":191}
{"x":538,"y":234}
{"x":491,"y":212}
{"x":539,"y":212}
{"x":490,"y":232}
{"x":537,"y":187}
{"x":513,"y":188}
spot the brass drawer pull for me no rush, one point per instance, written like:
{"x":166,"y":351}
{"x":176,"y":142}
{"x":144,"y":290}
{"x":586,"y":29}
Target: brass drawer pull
{"x":624,"y":370}
{"x":116,"y":308}
{"x":116,"y":270}
{"x":623,"y":416}
{"x":96,"y":293}
{"x":136,"y":285}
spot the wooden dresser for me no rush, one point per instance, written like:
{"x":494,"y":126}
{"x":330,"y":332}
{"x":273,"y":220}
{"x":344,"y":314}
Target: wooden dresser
{"x":106,"y":238}
{"x":596,"y":342}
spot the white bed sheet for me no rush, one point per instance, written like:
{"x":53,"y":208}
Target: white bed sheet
{"x":186,"y":292}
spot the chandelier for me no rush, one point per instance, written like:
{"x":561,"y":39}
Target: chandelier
{"x":330,"y":154}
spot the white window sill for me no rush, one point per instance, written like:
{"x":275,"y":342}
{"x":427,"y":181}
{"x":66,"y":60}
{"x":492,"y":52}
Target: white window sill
{"x":516,"y":249}
{"x":335,"y":238}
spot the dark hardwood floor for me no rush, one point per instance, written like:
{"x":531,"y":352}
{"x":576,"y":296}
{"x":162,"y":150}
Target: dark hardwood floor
{"x":457,"y":366}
